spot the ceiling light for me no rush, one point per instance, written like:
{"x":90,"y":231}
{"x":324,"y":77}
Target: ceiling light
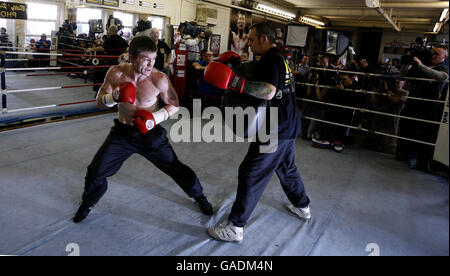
{"x":443,"y":14}
{"x":274,"y":11}
{"x":311,"y":21}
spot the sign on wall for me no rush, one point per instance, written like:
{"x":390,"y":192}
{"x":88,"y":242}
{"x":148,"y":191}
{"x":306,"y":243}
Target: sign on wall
{"x":109,"y":3}
{"x":12,"y":10}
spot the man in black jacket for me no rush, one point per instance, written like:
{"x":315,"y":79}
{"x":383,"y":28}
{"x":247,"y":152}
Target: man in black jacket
{"x":114,"y":45}
{"x":420,"y":155}
{"x":275,"y":82}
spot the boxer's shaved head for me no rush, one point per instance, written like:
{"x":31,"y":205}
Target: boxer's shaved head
{"x":141,"y":44}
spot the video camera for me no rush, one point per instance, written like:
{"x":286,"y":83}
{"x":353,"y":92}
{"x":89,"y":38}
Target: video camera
{"x":95,"y":26}
{"x":67,"y":28}
{"x":421,"y":50}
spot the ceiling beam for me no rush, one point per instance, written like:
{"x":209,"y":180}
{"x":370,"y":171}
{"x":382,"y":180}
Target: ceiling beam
{"x":416,"y":5}
{"x":388,"y":19}
{"x":405,"y":5}
{"x":376,"y":19}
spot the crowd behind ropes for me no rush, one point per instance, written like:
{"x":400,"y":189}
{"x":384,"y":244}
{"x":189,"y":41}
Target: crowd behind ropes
{"x":378,"y":97}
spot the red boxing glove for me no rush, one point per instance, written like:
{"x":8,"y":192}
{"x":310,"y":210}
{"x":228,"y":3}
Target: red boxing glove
{"x":145,"y":120}
{"x":229,"y":57}
{"x":221,"y":76}
{"x":125,"y":93}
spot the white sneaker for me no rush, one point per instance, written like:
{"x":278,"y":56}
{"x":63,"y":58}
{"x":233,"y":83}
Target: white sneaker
{"x":226,"y":231}
{"x":303,"y":213}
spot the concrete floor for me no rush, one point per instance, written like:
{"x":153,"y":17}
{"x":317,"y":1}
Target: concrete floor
{"x":358,"y":198}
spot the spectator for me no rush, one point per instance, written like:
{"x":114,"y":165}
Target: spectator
{"x":43,"y":43}
{"x":420,"y":155}
{"x":301,"y":73}
{"x":370,"y":83}
{"x":5,"y":43}
{"x":202,"y":42}
{"x":333,"y":135}
{"x":302,"y":69}
{"x":245,"y":56}
{"x":207,"y":58}
{"x":316,"y":93}
{"x":30,"y":48}
{"x":392,"y":102}
{"x":113,"y":45}
{"x":4,"y":39}
{"x":164,"y":53}
{"x":43,"y":46}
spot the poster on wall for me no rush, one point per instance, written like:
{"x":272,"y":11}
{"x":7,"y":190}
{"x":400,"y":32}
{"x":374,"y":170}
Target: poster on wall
{"x":239,"y":23}
{"x":215,"y":44}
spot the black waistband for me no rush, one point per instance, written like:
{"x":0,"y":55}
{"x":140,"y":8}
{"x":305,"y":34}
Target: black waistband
{"x":124,"y":126}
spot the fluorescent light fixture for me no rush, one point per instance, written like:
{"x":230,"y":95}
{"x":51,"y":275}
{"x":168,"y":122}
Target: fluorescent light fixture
{"x":436,"y":27}
{"x":443,"y":14}
{"x":310,"y":21}
{"x":274,"y":11}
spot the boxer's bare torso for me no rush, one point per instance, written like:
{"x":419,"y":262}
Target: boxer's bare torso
{"x":150,"y":84}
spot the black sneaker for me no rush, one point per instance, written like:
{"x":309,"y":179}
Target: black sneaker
{"x":204,"y":205}
{"x":82,"y":213}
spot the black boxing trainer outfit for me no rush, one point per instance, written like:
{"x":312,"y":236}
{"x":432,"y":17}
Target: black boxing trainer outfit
{"x":257,"y":168}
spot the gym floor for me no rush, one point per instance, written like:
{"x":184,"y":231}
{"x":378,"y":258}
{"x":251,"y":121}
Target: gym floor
{"x":359,"y":199}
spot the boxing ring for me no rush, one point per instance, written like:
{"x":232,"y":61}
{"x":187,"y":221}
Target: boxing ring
{"x":359,"y":197}
{"x":361,"y":200}
{"x":29,"y":94}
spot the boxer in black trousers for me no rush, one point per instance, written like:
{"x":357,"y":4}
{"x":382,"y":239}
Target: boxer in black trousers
{"x":136,"y":88}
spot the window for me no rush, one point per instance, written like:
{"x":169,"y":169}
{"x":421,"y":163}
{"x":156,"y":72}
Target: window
{"x":83,"y":17}
{"x":127,"y":21}
{"x":41,"y":11}
{"x":37,"y":28}
{"x":3,"y":23}
{"x":157,"y":22}
{"x":41,"y":19}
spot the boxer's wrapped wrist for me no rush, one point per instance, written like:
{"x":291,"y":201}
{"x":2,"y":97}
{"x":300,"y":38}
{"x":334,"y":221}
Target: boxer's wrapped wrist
{"x":161,"y":115}
{"x":108,"y":100}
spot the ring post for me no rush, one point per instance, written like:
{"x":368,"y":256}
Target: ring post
{"x":3,"y":81}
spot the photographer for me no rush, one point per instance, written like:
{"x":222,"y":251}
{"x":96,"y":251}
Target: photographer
{"x":314,"y":110}
{"x":114,"y":45}
{"x":420,"y":155}
{"x":392,"y":102}
{"x":334,"y":136}
{"x":66,"y":35}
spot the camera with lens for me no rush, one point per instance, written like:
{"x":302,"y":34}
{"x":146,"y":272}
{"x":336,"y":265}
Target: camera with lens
{"x":338,"y":81}
{"x":420,"y":50}
{"x":314,"y":76}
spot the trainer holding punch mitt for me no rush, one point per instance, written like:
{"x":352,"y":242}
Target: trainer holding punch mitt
{"x":273,"y":82}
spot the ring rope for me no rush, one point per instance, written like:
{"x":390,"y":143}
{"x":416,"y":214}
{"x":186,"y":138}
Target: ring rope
{"x":49,"y":106}
{"x":373,"y":74}
{"x":59,"y":54}
{"x":55,"y":68}
{"x":364,"y":110}
{"x":370,"y":92}
{"x":370,"y":131}
{"x":52,"y":88}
